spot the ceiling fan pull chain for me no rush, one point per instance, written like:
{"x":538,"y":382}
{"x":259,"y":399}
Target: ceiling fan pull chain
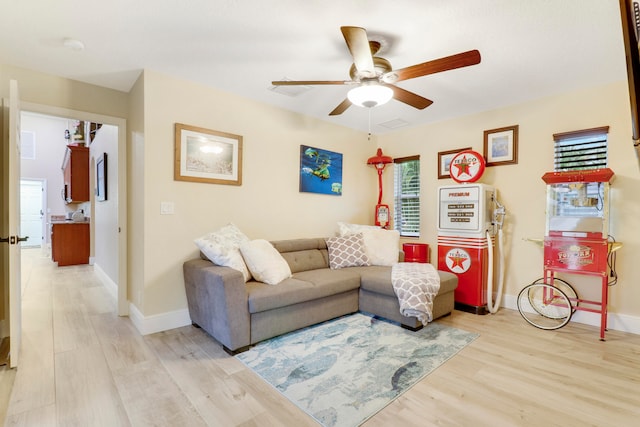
{"x":369,"y":136}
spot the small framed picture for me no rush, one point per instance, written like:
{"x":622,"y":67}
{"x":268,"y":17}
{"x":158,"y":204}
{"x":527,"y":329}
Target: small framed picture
{"x":501,"y":146}
{"x":101,"y":178}
{"x":204,"y":155}
{"x":444,"y":161}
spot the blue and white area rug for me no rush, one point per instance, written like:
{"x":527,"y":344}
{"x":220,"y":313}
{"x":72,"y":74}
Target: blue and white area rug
{"x":343,"y":371}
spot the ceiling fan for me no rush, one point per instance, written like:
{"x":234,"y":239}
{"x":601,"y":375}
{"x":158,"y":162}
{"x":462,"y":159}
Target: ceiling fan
{"x":374,"y":77}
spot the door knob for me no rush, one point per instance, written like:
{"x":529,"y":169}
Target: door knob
{"x":12,"y":240}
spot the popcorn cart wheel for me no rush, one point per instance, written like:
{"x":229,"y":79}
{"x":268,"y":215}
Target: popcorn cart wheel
{"x":544,"y":306}
{"x":565,"y":287}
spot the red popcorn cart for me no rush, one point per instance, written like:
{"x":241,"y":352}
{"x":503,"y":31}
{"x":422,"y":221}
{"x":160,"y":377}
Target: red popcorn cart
{"x":576,"y":241}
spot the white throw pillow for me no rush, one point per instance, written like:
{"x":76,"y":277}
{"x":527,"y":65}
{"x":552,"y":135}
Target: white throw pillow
{"x":265,"y":262}
{"x":222,"y":248}
{"x":346,"y":251}
{"x":381,"y":246}
{"x":345,"y":228}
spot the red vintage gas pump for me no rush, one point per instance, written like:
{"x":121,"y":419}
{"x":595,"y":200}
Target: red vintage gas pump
{"x":467,"y":228}
{"x":382,"y":212}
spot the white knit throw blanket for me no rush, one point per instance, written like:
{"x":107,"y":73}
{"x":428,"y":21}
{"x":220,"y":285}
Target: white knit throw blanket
{"x":416,"y":286}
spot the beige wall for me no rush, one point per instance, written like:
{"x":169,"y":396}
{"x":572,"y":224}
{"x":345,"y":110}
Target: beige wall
{"x":135,"y":194}
{"x":267,"y":205}
{"x":55,"y":91}
{"x":521,"y":189}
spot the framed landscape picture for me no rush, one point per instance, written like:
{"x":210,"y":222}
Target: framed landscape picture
{"x":203,"y":155}
{"x":320,"y":171}
{"x":501,"y":146}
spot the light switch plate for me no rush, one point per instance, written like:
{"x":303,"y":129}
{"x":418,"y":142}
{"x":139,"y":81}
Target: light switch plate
{"x":167,"y":208}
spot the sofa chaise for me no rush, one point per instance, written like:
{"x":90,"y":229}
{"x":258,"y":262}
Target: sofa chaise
{"x":239,"y":314}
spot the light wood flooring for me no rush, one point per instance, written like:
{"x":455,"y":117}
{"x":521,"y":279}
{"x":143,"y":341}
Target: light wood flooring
{"x":82,"y":365}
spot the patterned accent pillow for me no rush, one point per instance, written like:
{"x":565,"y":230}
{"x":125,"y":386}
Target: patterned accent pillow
{"x":346,"y":251}
{"x":381,"y":246}
{"x":222,"y":248}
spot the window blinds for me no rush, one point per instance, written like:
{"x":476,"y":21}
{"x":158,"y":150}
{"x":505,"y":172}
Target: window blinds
{"x":407,"y":196}
{"x":585,"y":149}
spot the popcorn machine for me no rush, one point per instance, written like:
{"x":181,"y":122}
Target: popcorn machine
{"x":576,"y":237}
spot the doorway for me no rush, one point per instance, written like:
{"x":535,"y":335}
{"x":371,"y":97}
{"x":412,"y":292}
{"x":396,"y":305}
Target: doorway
{"x":33,"y":198}
{"x":114,"y":276}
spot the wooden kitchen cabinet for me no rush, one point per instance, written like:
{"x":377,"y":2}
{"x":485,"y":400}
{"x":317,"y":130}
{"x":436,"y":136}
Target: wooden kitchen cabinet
{"x":75,"y":167}
{"x":70,"y":243}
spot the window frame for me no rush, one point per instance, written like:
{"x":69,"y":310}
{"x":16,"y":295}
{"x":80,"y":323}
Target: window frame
{"x":402,"y":199}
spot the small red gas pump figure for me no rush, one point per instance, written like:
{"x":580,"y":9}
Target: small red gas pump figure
{"x":380,"y":161}
{"x":576,"y":239}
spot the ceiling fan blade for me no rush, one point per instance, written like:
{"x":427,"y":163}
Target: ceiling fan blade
{"x":464,"y":59}
{"x":341,"y":108}
{"x":358,"y":45}
{"x":410,"y":98}
{"x":310,"y":82}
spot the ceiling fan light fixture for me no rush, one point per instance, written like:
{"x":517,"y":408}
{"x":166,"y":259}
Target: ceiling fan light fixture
{"x":370,"y":95}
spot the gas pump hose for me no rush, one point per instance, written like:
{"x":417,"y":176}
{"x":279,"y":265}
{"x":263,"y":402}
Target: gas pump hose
{"x":491,"y":306}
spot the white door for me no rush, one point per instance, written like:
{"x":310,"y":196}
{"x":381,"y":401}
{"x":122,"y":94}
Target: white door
{"x":15,"y":300}
{"x":32,"y":212}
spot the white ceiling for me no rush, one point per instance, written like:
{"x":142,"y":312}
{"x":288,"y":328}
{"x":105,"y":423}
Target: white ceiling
{"x":530,"y":48}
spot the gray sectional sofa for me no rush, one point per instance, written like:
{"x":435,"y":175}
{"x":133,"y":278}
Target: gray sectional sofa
{"x":239,"y":314}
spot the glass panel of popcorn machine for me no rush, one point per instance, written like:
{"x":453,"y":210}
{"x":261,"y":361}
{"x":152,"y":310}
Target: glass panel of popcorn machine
{"x":576,"y":207}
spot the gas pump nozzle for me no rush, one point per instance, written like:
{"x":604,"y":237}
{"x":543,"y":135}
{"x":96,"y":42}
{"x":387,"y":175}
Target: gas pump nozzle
{"x":498,"y":214}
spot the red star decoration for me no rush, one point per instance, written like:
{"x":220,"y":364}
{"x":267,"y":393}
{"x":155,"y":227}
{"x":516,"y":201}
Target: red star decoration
{"x":457,"y":261}
{"x":463,"y":166}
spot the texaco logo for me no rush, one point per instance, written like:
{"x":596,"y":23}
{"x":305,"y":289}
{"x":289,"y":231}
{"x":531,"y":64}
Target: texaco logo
{"x":467,"y":166}
{"x":458,"y":260}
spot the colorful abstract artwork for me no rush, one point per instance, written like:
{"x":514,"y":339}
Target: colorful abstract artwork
{"x":320,"y":171}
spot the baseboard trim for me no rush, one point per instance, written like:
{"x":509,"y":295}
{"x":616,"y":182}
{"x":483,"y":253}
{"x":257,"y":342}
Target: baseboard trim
{"x":175,"y":319}
{"x":110,"y":285}
{"x":145,"y":324}
{"x":616,"y":321}
{"x":158,"y":322}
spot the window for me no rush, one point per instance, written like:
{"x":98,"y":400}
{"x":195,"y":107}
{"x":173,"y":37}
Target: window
{"x":583,"y":149}
{"x":406,"y":196}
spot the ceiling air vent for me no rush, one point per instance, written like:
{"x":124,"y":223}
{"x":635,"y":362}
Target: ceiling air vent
{"x":394,"y":124}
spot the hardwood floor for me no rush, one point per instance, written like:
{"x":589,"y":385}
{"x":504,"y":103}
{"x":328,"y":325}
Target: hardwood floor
{"x":82,"y":365}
